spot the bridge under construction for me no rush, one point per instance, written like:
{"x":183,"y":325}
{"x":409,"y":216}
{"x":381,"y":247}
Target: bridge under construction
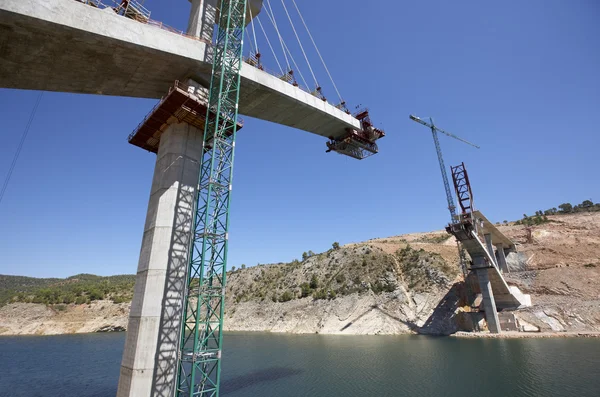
{"x":203,"y":80}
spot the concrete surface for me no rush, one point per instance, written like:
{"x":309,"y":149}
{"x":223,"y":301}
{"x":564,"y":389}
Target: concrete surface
{"x":489,"y":305}
{"x":484,"y":226}
{"x":501,"y":258}
{"x":149,"y":358}
{"x":66,"y":46}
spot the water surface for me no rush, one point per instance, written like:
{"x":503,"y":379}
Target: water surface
{"x":263,"y":364}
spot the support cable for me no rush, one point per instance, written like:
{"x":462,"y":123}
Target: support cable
{"x":272,"y":18}
{"x":253,"y":31}
{"x":317,"y":49}
{"x":21,"y":142}
{"x":299,"y":42}
{"x":269,"y":43}
{"x":296,"y":66}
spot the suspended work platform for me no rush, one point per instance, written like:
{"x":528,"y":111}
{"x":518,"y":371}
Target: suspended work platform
{"x":183,"y":103}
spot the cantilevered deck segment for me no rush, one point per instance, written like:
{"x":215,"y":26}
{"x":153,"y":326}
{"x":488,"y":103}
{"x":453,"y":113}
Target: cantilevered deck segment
{"x":68,"y":46}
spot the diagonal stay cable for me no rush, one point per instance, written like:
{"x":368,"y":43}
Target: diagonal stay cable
{"x":300,"y":43}
{"x":274,"y":22}
{"x":316,"y":48}
{"x":253,"y":31}
{"x":21,"y":142}
{"x":269,"y":43}
{"x":296,"y":66}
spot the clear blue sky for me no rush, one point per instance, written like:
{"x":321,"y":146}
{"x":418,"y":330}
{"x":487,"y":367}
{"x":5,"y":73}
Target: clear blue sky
{"x":521,"y":79}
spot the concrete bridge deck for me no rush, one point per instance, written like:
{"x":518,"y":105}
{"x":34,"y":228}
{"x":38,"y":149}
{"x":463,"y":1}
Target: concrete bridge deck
{"x":67,"y":46}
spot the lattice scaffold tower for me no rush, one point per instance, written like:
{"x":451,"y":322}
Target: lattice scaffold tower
{"x":199,"y":357}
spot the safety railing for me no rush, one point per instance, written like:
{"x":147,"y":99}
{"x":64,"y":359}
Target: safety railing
{"x":137,"y":12}
{"x":177,"y":85}
{"x":287,"y":77}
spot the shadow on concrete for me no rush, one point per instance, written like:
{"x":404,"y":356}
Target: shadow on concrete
{"x":440,"y":322}
{"x":170,"y":323}
{"x":256,"y":377}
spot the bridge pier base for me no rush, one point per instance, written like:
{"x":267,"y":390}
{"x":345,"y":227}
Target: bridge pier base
{"x":489,"y":304}
{"x":149,"y":365}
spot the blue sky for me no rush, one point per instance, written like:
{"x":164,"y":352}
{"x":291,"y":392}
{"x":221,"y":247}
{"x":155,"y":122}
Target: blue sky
{"x":520,"y":79}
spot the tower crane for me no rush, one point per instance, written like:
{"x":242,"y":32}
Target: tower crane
{"x":434,"y":131}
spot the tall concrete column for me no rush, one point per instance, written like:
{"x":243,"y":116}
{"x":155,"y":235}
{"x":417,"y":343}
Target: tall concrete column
{"x":490,"y":248}
{"x":202,"y":19}
{"x":501,"y":258}
{"x":149,"y":366}
{"x":489,"y":304}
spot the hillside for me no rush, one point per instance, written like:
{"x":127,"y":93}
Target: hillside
{"x":81,"y":288}
{"x":399,"y":284}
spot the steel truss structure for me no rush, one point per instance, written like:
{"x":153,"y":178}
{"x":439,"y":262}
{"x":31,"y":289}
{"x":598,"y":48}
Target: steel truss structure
{"x":199,"y":357}
{"x":462,"y":186}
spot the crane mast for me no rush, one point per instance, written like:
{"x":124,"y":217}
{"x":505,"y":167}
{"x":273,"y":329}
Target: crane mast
{"x":438,"y":149}
{"x":201,"y":338}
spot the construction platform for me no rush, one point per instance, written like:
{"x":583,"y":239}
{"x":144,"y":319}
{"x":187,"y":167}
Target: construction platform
{"x":183,"y":103}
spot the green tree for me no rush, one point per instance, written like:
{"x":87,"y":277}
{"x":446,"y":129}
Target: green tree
{"x":587,"y":204}
{"x":233,"y":268}
{"x":304,"y":256}
{"x":336,"y":245}
{"x":243,"y":266}
{"x":314,"y":282}
{"x":565,"y":208}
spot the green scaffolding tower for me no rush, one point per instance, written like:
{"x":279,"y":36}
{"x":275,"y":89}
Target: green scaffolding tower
{"x":199,"y":357}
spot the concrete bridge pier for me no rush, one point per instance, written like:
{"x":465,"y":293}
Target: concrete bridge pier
{"x":501,"y":257}
{"x":489,"y":304}
{"x":202,"y":19}
{"x":490,"y":247}
{"x":149,"y":365}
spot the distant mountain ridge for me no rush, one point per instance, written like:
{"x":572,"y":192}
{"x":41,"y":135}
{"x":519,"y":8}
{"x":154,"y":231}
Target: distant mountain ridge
{"x":80,"y":288}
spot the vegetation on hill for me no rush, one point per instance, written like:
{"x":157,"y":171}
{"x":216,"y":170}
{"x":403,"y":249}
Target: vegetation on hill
{"x":340,"y":272}
{"x":81,"y":288}
{"x":563,"y":209}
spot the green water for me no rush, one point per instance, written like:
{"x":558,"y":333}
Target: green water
{"x":262,"y":364}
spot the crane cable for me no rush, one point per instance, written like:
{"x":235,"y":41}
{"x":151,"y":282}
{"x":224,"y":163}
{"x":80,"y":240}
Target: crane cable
{"x":299,"y":42}
{"x":18,"y":152}
{"x":317,"y":49}
{"x":272,"y":18}
{"x":269,"y":43}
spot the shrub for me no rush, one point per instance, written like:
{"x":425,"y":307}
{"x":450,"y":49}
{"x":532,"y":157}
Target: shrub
{"x":305,"y":290}
{"x":286,"y":296}
{"x":314,"y":282}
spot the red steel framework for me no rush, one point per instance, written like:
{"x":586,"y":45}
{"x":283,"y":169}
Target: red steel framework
{"x":462,"y":186}
{"x":358,"y":144}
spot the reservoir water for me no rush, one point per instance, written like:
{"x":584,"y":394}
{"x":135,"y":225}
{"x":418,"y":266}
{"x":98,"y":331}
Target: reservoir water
{"x":263,"y":364}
